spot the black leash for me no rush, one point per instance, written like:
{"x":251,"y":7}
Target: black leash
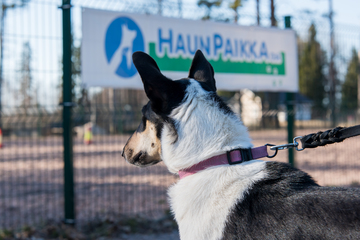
{"x":314,"y":140}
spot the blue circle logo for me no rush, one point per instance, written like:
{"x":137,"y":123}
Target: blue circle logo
{"x":123,"y":37}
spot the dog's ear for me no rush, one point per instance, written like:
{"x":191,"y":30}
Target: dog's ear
{"x":157,"y":87}
{"x":202,"y":71}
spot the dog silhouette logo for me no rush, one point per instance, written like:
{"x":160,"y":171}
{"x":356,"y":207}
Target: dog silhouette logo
{"x":123,"y":37}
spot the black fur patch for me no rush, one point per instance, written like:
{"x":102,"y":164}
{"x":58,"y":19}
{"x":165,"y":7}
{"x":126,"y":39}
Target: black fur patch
{"x":202,"y":71}
{"x":288,"y":204}
{"x":164,"y":94}
{"x":172,"y":96}
{"x":221,"y":104}
{"x":157,"y":120}
{"x":150,"y":115}
{"x":142,"y":125}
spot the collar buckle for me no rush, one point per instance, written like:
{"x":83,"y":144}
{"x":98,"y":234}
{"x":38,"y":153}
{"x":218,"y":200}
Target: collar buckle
{"x":246,"y":155}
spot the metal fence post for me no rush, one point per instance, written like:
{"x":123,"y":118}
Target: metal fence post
{"x":290,"y":101}
{"x":69,"y":207}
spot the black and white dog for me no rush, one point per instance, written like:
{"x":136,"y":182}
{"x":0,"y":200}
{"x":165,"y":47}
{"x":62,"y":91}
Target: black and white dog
{"x":186,"y":125}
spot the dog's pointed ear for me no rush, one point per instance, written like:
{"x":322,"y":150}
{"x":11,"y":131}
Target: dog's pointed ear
{"x":157,"y":86}
{"x":202,"y":71}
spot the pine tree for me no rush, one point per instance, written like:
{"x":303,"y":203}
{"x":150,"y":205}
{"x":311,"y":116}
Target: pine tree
{"x":272,"y":14}
{"x":235,"y":5}
{"x":26,"y":92}
{"x":75,"y":70}
{"x":209,"y":5}
{"x":350,"y":85}
{"x":311,"y":65}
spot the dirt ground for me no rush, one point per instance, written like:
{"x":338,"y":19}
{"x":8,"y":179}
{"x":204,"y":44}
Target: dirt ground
{"x":106,"y":187}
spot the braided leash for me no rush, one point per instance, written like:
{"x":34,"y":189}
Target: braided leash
{"x":314,"y":140}
{"x":331,"y":136}
{"x":321,"y":138}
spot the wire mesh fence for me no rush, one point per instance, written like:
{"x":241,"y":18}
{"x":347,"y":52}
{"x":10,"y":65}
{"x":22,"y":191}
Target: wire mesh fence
{"x":106,"y":187}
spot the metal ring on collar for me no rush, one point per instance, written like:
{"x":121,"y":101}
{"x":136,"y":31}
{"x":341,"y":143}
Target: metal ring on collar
{"x":276,"y":150}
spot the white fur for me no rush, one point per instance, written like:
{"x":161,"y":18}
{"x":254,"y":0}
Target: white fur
{"x":203,"y":131}
{"x":202,"y":202}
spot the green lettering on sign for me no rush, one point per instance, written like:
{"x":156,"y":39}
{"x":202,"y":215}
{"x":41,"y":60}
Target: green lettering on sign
{"x":181,"y":64}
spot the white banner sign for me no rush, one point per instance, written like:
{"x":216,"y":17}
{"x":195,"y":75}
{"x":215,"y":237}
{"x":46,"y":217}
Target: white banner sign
{"x":257,"y":58}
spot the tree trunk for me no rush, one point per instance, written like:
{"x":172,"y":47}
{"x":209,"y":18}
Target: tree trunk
{"x":272,"y":16}
{"x":258,"y":12}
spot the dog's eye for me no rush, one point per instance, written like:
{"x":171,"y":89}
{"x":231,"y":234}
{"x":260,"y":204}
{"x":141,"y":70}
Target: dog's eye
{"x":142,"y":125}
{"x":144,"y":122}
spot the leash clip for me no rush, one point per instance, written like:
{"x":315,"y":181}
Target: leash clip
{"x":297,"y":144}
{"x":294,"y":144}
{"x":276,"y":148}
{"x":284,"y":146}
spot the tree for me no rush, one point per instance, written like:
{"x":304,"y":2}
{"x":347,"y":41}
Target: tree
{"x":311,"y":66}
{"x":3,"y":10}
{"x":160,"y":7}
{"x":26,"y":92}
{"x":235,"y":5}
{"x":258,"y":12}
{"x":272,"y":14}
{"x":209,"y":5}
{"x":83,"y":96}
{"x":349,"y":90}
{"x":76,"y":68}
{"x":76,"y":72}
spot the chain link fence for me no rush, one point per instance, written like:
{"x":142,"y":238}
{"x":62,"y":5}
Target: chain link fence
{"x":106,"y":187}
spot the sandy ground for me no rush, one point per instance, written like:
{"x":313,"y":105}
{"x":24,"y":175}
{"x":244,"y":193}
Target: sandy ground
{"x":106,"y":187}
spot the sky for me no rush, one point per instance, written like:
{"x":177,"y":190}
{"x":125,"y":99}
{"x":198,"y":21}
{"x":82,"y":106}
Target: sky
{"x":346,"y":11}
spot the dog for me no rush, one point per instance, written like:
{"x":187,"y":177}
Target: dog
{"x":185,"y":124}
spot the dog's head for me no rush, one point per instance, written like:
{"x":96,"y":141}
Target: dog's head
{"x":184,"y":120}
{"x":144,"y":146}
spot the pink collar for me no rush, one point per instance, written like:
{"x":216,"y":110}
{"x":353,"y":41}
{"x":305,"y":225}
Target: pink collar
{"x":231,"y":157}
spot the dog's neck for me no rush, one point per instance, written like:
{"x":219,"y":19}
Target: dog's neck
{"x":203,"y":129}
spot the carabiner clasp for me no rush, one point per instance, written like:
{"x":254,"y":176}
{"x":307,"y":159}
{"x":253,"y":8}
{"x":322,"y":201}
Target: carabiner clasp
{"x":285,"y":146}
{"x":294,"y":144}
{"x":297,"y":144}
